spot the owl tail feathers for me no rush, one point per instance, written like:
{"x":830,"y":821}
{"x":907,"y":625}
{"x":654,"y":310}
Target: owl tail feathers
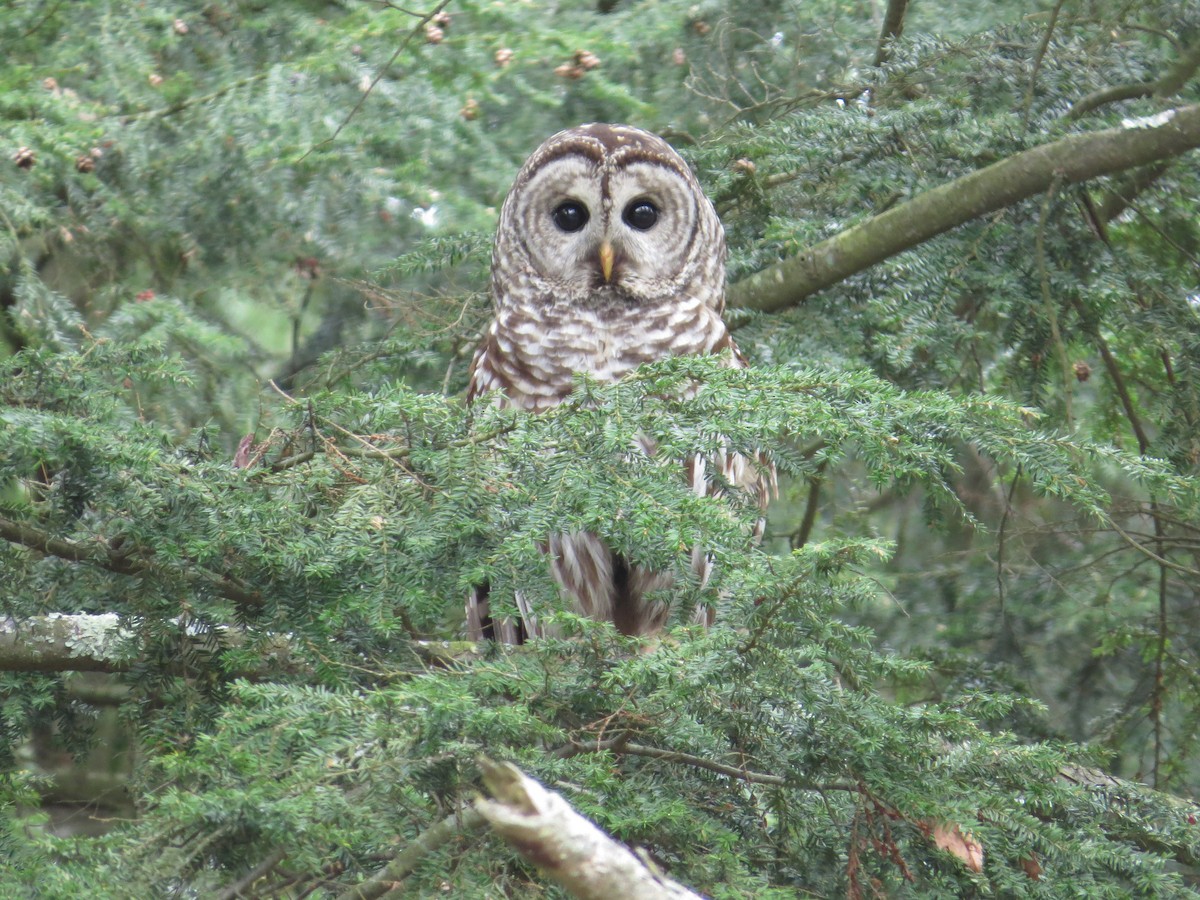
{"x":482,"y":627}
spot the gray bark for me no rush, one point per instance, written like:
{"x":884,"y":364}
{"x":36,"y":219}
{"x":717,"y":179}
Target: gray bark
{"x":566,"y":846}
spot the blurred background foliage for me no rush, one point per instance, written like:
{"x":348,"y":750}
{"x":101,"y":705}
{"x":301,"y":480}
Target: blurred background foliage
{"x":200,"y":199}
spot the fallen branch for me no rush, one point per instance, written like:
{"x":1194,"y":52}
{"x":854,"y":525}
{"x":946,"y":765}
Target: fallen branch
{"x":563,"y":844}
{"x":1075,"y":158}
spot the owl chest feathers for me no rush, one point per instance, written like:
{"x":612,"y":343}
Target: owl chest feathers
{"x":533,"y":353}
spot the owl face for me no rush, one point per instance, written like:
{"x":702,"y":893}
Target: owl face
{"x":607,"y":214}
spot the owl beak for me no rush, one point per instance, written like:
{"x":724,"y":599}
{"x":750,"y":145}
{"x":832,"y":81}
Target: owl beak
{"x":606,"y":261}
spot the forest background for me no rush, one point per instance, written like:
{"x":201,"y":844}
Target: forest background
{"x":243,"y":265}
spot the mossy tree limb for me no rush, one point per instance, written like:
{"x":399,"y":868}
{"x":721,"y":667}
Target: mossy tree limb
{"x":1072,"y":159}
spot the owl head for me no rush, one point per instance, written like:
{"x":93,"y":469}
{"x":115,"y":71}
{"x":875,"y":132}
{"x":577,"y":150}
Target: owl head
{"x":607,"y":214}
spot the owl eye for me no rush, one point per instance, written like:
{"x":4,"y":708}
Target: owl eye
{"x":640,"y":214}
{"x":570,"y":215}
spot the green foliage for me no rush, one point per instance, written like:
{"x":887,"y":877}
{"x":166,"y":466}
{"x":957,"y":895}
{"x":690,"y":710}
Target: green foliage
{"x":977,"y":587}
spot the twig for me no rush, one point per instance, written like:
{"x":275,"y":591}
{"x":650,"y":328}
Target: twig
{"x":622,"y":747}
{"x":1048,"y":304}
{"x":105,"y":557}
{"x":1001,"y":539}
{"x":700,"y":762}
{"x":189,"y":102}
{"x":1175,"y":78}
{"x":378,"y":77}
{"x":402,"y":865}
{"x":1146,"y":551}
{"x":263,"y":868}
{"x":1037,"y":63}
{"x":801,"y":535}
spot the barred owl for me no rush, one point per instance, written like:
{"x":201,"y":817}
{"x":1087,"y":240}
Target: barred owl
{"x":607,"y":255}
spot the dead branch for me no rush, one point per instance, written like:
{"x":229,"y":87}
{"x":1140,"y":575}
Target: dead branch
{"x":564,"y":845}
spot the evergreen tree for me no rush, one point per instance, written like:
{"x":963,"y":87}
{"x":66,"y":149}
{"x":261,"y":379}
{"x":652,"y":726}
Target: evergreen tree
{"x":243,"y":262}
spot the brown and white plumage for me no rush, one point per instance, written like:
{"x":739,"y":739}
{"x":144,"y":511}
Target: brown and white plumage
{"x":607,"y":256}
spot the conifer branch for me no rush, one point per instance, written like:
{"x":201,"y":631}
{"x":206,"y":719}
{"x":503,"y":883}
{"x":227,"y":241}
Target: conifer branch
{"x":1175,"y":78}
{"x":180,"y":106}
{"x":122,"y":562}
{"x":1075,"y":158}
{"x":388,"y":881}
{"x":383,"y":70}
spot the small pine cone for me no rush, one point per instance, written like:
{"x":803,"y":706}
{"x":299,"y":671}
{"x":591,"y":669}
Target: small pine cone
{"x":701,"y":27}
{"x":504,"y":56}
{"x":180,"y":26}
{"x":433,"y":34}
{"x":24,"y":158}
{"x":586,"y":59}
{"x":1082,"y":371}
{"x":85,"y":163}
{"x":470,"y":109}
{"x":442,"y":20}
{"x":679,"y":57}
{"x":155,"y":79}
{"x":568,"y":71}
{"x":745,"y":166}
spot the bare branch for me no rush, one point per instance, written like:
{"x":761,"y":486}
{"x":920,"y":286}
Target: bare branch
{"x":563,"y":844}
{"x":893,"y":27}
{"x":1075,"y":158}
{"x":702,"y":763}
{"x":1126,"y":189}
{"x":1037,"y":62}
{"x":261,"y":870}
{"x":58,"y":642}
{"x":61,"y":643}
{"x":98,"y":642}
